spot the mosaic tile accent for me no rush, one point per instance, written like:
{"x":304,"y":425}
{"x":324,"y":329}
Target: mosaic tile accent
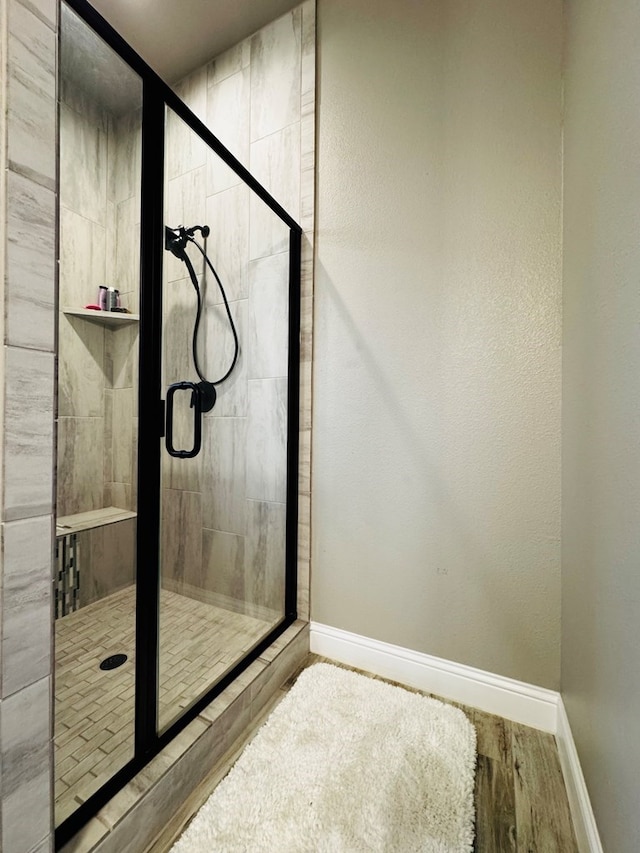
{"x":67,"y":588}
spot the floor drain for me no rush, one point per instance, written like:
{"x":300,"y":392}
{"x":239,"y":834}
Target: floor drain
{"x":113,"y":661}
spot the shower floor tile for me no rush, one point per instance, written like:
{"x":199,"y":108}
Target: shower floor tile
{"x":94,"y":708}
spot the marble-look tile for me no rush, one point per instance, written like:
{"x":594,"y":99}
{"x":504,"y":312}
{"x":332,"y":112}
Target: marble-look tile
{"x":228,"y":115}
{"x":108,"y":443}
{"x":178,"y":318}
{"x":181,"y":536}
{"x":228,"y":243}
{"x":45,"y":846}
{"x":80,"y":465}
{"x":185,"y":204}
{"x":218,"y":356}
{"x":111,"y":252}
{"x":80,"y":368}
{"x":179,"y":314}
{"x":275,"y":75}
{"x":305,"y":394}
{"x":308,"y":52}
{"x":306,"y":267}
{"x":106,"y":560}
{"x":304,"y":526}
{"x":304,"y":461}
{"x":134,"y":460}
{"x":302,"y":598}
{"x":26,"y":602}
{"x":28,"y":433}
{"x":185,"y":150}
{"x":122,"y":435}
{"x":30,"y":264}
{"x":82,"y":259}
{"x":83,"y":165}
{"x":266,"y":449}
{"x":46,"y":10}
{"x":265,"y":554}
{"x":229,"y":62}
{"x":111,"y":160}
{"x":122,"y":496}
{"x":26,"y":775}
{"x":162,"y":797}
{"x":185,"y":474}
{"x":87,"y":838}
{"x":31,"y":94}
{"x":268,"y":337}
{"x":307,"y":172}
{"x":120,"y":353}
{"x":127,"y":278}
{"x":193,"y":91}
{"x":306,"y":328}
{"x":222,"y":564}
{"x":223,"y":482}
{"x":280,"y":669}
{"x":128,"y":153}
{"x":275,"y":162}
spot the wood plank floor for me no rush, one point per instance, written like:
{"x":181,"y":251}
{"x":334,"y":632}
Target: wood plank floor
{"x":520,"y":798}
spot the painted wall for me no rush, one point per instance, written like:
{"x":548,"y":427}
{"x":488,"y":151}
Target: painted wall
{"x":436,"y":456}
{"x":27,"y":318}
{"x":601,"y":410}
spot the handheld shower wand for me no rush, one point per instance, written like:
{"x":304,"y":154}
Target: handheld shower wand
{"x":175,"y":241}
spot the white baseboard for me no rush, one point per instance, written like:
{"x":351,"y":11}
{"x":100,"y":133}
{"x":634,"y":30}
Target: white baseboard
{"x":514,"y":700}
{"x":584,"y":822}
{"x":495,"y":694}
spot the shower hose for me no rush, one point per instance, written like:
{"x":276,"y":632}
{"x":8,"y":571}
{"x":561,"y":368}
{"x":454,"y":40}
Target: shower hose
{"x":176,"y":240}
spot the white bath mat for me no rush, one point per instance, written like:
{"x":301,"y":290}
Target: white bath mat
{"x":346,"y":763}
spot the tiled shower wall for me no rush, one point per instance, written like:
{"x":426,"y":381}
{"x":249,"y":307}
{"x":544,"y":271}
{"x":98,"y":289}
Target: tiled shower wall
{"x":258,"y":98}
{"x":97,"y":366}
{"x":27,"y":261}
{"x":27,"y":268}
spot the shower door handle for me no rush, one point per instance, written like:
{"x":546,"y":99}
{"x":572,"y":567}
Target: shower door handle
{"x":196,"y":405}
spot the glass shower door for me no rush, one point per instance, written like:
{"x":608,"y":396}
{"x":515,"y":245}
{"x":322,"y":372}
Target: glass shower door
{"x":95,"y":583}
{"x":225,"y":330}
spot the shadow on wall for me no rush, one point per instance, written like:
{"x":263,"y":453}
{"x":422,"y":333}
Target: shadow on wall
{"x":452,"y":557}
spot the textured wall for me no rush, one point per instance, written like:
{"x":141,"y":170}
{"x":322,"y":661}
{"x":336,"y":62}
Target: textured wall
{"x":436,"y":521}
{"x":601,"y":410}
{"x":230,"y":501}
{"x":27,"y":270}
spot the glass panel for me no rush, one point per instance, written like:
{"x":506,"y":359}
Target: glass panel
{"x":223,"y":511}
{"x":100,"y":152}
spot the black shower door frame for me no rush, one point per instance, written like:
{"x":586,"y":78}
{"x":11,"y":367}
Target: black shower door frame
{"x":156,"y":97}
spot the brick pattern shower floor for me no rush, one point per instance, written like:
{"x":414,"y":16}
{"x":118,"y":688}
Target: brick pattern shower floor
{"x":94,"y":708}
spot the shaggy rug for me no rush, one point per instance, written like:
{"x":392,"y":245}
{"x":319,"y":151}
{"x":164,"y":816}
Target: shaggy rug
{"x":346,"y":763}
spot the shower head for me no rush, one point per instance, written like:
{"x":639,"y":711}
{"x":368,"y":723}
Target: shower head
{"x":176,"y":239}
{"x":203,"y":229}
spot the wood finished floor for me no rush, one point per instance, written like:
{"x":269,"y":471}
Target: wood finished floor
{"x":520,"y":798}
{"x":94,"y":708}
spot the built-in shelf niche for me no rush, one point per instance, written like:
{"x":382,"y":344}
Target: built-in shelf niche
{"x":103,"y":318}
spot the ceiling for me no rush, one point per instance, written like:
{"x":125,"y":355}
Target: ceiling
{"x":177,"y":36}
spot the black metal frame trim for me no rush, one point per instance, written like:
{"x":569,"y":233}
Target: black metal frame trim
{"x":148,"y":742}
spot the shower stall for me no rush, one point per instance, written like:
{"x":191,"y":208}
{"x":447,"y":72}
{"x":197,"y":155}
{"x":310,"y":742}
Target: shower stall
{"x":177,"y":417}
